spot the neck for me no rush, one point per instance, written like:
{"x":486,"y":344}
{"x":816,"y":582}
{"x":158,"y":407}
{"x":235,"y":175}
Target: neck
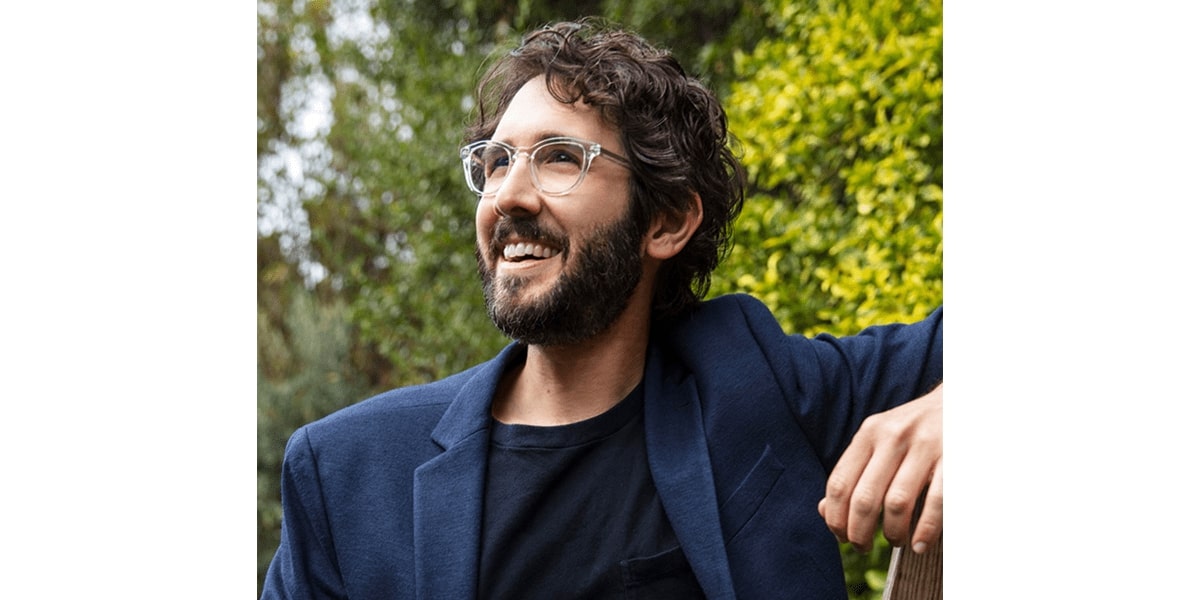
{"x":558,"y":385}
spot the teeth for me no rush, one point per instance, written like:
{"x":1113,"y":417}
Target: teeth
{"x":521,"y":249}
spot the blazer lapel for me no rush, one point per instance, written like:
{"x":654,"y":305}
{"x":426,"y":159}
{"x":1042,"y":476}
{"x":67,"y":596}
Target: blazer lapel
{"x":679,"y":464}
{"x":448,"y":490}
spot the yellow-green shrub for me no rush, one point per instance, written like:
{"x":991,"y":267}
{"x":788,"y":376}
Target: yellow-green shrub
{"x":840,"y":119}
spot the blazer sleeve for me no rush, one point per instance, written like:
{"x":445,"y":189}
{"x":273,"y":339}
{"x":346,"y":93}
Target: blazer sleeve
{"x":305,"y":565}
{"x":842,"y":381}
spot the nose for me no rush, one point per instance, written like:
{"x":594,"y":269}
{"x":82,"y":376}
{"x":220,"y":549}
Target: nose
{"x":517,"y":195}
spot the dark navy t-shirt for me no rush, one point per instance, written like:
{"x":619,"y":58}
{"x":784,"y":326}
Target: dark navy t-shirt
{"x":571,"y":512}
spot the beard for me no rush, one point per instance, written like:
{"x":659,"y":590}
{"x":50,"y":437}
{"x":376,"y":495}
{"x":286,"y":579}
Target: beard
{"x":588,"y":296}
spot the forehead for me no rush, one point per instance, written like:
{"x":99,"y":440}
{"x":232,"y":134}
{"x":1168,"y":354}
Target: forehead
{"x":535,"y":115}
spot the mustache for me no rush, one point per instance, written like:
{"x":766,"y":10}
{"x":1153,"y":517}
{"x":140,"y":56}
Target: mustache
{"x":526,"y":229}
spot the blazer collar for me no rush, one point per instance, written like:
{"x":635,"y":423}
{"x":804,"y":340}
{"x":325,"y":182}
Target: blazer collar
{"x":448,"y":490}
{"x":470,"y":411}
{"x":682,"y":473}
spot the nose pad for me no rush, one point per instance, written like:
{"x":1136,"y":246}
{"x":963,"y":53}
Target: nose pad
{"x":517,"y":194}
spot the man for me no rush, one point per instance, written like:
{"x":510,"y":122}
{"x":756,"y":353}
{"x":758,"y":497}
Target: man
{"x":632,"y":440}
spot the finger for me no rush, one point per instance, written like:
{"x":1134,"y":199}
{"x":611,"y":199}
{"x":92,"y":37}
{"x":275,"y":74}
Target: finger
{"x":839,"y":488}
{"x":902,"y":496}
{"x":929,"y":526}
{"x":867,"y":500}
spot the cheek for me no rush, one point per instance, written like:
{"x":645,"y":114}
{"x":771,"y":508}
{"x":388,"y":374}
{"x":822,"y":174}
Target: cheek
{"x":485,"y":219}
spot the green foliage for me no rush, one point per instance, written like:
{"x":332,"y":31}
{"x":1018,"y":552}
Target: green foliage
{"x":841,"y":122}
{"x":840,"y":116}
{"x":866,"y":574}
{"x":703,"y":34}
{"x":379,"y":216}
{"x":311,"y":381}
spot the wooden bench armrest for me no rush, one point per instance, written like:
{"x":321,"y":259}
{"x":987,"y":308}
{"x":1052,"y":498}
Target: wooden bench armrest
{"x":913,"y":576}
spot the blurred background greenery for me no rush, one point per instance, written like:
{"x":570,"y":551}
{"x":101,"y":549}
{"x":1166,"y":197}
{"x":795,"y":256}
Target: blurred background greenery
{"x":366,"y":277}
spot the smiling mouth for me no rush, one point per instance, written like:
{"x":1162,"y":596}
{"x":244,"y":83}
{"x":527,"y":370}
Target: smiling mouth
{"x":522,"y":251}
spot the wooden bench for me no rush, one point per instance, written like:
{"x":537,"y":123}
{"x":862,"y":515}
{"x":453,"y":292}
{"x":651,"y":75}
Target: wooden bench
{"x":913,"y":576}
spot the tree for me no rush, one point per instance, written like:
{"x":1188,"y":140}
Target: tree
{"x":314,"y":383}
{"x":366,"y":201}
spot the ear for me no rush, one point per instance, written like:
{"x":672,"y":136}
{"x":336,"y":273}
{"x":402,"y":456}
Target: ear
{"x":670,"y":230}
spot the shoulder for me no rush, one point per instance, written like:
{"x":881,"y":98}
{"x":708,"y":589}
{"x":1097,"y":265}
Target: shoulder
{"x":732,"y":335}
{"x":399,"y":404}
{"x":739,"y":315}
{"x":399,"y":420}
{"x":725,"y":306}
{"x":730,"y":327}
{"x":731,"y":338}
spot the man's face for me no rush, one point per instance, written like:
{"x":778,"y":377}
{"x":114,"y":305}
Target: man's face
{"x":557,"y":269}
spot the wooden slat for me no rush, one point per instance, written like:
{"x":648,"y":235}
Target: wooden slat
{"x":913,"y":576}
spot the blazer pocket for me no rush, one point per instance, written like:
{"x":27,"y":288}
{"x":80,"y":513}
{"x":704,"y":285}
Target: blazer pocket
{"x":750,"y":493}
{"x":663,"y":575}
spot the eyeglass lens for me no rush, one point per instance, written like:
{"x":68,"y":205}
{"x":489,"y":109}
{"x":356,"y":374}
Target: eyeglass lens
{"x":555,"y":167}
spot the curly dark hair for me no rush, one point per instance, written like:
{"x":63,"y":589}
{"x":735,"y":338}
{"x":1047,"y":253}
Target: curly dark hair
{"x":672,"y":126}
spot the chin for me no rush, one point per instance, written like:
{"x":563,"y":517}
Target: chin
{"x":576,"y":302}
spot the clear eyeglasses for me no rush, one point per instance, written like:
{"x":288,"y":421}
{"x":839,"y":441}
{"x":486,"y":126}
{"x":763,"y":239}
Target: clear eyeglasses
{"x":556,"y":165}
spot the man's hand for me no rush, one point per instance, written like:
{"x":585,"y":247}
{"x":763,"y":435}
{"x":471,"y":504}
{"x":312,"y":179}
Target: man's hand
{"x":892,"y":458}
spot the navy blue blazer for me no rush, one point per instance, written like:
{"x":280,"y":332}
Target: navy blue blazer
{"x":384,"y":498}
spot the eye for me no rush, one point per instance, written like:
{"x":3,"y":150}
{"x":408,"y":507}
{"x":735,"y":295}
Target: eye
{"x":560,"y":155}
{"x":494,"y":158}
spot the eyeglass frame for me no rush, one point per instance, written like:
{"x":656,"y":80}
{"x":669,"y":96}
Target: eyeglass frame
{"x":591,"y":151}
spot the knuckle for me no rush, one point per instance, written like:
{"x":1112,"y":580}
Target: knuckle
{"x":898,"y":431}
{"x":838,"y":487}
{"x":876,"y":425}
{"x":927,"y":439}
{"x":865,"y":502}
{"x":898,"y":502}
{"x":870,"y":422}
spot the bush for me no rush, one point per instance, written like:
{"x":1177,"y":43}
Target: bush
{"x":841,"y":122}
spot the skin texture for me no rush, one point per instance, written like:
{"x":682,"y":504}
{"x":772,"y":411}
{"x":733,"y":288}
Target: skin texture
{"x":568,"y":381}
{"x":566,"y":220}
{"x":595,"y":260}
{"x":891,"y":459}
{"x":584,"y":300}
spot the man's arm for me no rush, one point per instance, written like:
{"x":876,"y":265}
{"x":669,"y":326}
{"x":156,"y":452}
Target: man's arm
{"x":304,"y":565}
{"x":890,"y":461}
